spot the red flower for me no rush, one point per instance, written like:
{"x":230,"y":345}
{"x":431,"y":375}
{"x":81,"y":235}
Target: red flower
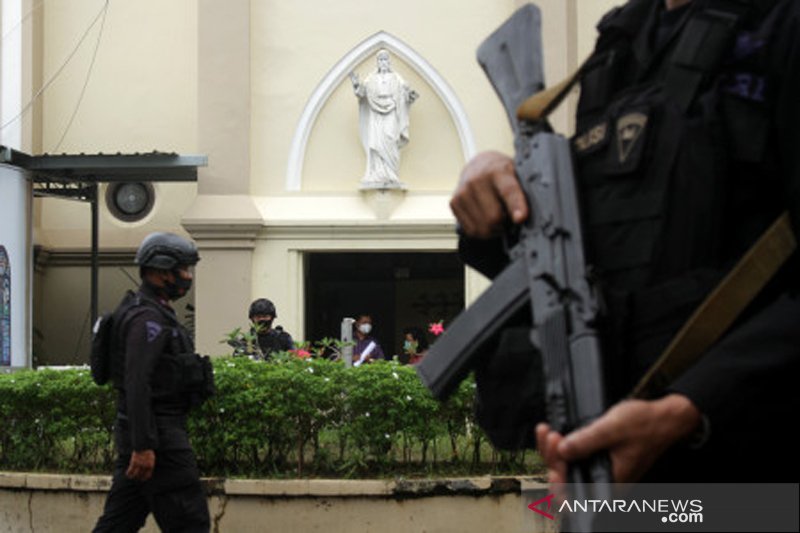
{"x":302,"y":354}
{"x":436,"y":328}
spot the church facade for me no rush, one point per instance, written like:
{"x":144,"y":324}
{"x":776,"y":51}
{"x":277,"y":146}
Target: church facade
{"x":263,"y":88}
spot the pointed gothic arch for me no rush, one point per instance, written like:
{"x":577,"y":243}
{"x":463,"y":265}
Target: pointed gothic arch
{"x":323,"y":91}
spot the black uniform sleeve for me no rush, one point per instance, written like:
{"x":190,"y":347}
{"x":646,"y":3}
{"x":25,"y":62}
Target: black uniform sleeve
{"x":487,"y":256}
{"x":737,"y":378}
{"x":146,"y":339}
{"x":786,"y":73}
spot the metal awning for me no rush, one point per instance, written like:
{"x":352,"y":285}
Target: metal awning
{"x":77,"y":176}
{"x":60,"y":175}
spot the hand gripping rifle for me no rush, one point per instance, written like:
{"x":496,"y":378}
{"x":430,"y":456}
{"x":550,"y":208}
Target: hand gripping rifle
{"x":547,"y":268}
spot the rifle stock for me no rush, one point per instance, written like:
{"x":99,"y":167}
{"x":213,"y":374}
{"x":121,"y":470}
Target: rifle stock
{"x":454,"y":354}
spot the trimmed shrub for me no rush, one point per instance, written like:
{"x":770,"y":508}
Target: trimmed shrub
{"x":55,"y":420}
{"x":286,"y":417}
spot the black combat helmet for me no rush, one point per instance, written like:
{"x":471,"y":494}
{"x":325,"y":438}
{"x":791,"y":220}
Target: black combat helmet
{"x":166,"y":251}
{"x":262,"y":306}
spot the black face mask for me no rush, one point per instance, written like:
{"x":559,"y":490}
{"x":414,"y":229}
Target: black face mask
{"x":178,"y":288}
{"x":263,"y":326}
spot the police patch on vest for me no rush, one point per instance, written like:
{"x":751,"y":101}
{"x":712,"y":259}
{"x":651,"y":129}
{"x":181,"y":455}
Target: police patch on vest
{"x":593,"y":138}
{"x":153,"y":329}
{"x":630,"y":129}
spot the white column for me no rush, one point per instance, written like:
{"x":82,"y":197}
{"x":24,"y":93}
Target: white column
{"x":15,"y":293}
{"x":11,"y":73}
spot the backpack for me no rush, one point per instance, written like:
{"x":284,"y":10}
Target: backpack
{"x":101,"y":354}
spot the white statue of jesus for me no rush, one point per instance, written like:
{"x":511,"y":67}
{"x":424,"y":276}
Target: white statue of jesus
{"x":384,"y":100}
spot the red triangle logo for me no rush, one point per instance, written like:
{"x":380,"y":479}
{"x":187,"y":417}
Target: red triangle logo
{"x":549,"y":500}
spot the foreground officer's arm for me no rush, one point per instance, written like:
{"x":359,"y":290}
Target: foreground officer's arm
{"x":635,"y":432}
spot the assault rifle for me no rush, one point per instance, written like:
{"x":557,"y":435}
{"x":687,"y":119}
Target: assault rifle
{"x":547,"y":268}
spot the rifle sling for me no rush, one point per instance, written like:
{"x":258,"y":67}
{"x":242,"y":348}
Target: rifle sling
{"x":541,"y":104}
{"x":721,"y":307}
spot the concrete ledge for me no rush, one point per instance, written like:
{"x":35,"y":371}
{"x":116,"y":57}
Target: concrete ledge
{"x":53,"y":503}
{"x":45,"y":482}
{"x":90,"y":483}
{"x":533,"y":483}
{"x":309,"y":487}
{"x":300,"y":488}
{"x":422,"y":488}
{"x":11,"y":480}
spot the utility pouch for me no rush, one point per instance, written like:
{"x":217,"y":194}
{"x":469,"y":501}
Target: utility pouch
{"x":195,"y":377}
{"x":598,"y":79}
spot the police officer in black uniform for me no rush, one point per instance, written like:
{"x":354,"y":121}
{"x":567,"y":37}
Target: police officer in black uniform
{"x":262,"y":314}
{"x":156,"y":470}
{"x":686,"y":150}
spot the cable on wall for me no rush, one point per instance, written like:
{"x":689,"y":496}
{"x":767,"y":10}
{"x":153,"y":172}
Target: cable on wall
{"x":86,"y":81}
{"x":58,"y":71}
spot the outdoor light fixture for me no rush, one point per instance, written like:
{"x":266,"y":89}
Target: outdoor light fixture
{"x":130,"y":201}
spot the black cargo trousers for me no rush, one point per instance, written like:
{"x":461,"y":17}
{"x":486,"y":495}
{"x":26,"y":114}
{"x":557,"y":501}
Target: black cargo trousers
{"x":174,"y":495}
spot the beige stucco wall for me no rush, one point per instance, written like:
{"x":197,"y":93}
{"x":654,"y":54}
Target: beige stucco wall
{"x":231,"y":80}
{"x":142,"y":92}
{"x":141,"y":96}
{"x":589,"y":14}
{"x":445,"y":33}
{"x":65,"y":504}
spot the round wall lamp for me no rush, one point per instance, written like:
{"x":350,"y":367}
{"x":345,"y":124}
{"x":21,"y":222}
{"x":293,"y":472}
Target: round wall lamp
{"x":130,"y":201}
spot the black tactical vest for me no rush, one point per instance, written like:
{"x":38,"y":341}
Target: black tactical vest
{"x":675,"y":158}
{"x":274,"y":340}
{"x":180,"y":376}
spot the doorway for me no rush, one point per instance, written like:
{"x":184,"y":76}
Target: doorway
{"x":398,"y":289}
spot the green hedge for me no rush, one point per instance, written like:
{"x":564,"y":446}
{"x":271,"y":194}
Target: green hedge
{"x":292,"y":417}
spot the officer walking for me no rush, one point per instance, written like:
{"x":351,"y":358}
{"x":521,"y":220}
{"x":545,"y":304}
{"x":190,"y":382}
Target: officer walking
{"x":685,"y":152}
{"x":155,"y":372}
{"x":262,"y":314}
